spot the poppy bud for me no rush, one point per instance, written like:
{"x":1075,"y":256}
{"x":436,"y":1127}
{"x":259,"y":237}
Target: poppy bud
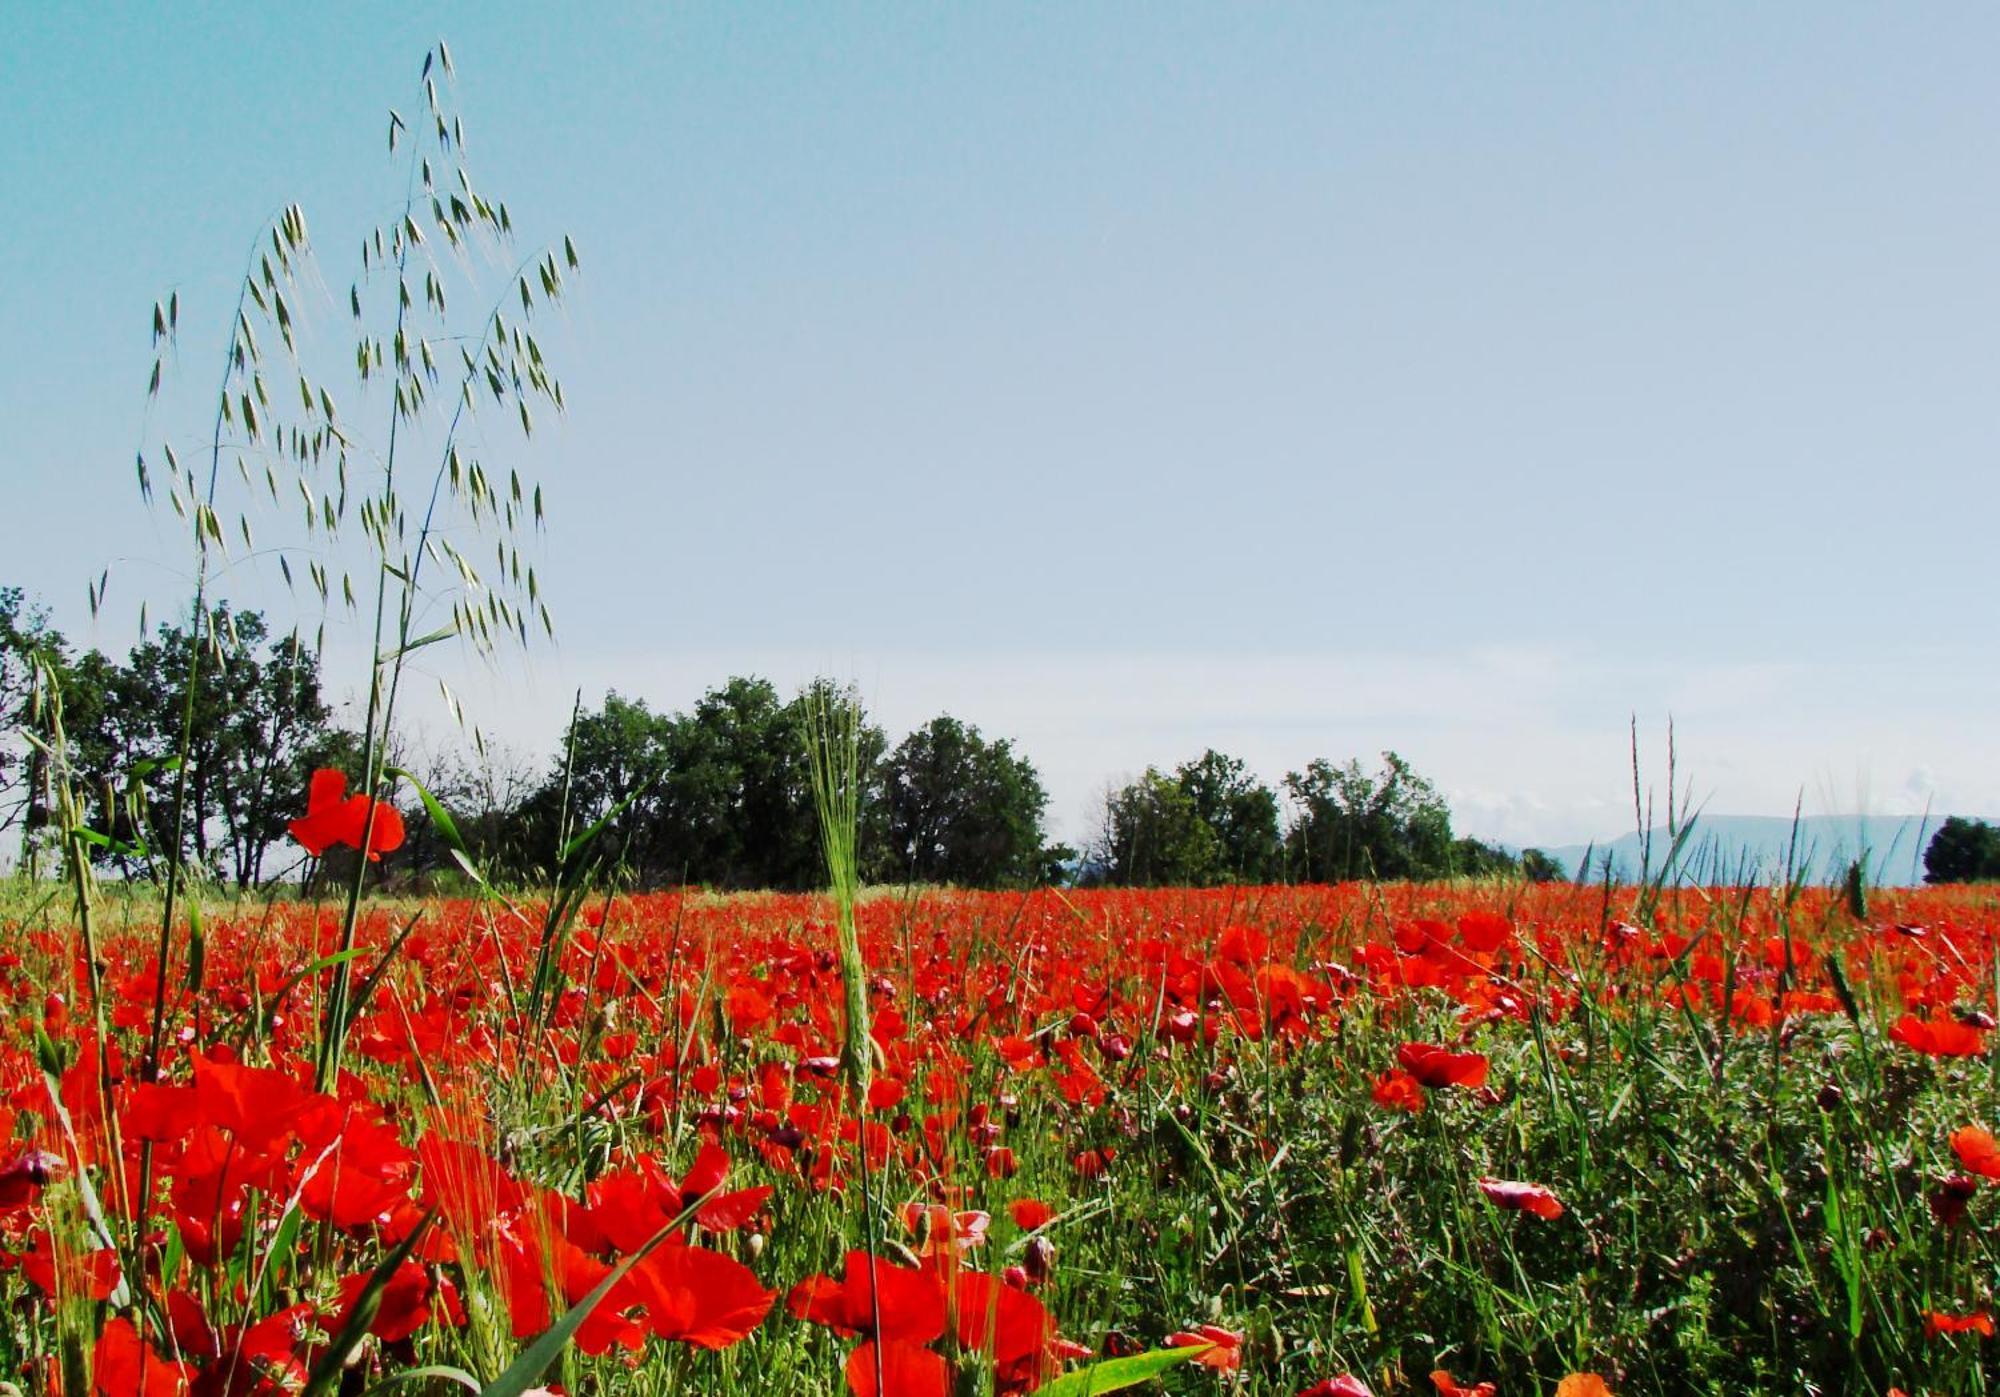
{"x":1039,"y":1259}
{"x":1950,"y":1197}
{"x":1015,"y":1277}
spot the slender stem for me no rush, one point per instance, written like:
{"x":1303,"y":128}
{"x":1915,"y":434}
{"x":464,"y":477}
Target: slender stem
{"x":334,"y":1030}
{"x":198,"y":629}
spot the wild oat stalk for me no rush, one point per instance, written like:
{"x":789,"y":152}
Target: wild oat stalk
{"x":279,"y":429}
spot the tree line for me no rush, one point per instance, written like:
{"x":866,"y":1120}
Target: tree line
{"x":717,"y":795}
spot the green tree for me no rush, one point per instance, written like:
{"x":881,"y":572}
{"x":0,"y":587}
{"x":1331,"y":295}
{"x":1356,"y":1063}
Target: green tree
{"x":1241,"y":811}
{"x":1354,"y":825}
{"x":1475,"y":858}
{"x":719,"y":795}
{"x":260,"y":727}
{"x":1538,"y":867}
{"x":960,"y":809}
{"x":1963,"y":851}
{"x":611,"y":758}
{"x":1153,"y":835}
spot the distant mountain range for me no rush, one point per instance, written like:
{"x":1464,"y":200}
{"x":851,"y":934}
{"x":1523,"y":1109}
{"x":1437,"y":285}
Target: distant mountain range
{"x":1736,"y":848}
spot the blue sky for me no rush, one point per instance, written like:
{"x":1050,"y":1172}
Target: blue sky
{"x":1302,"y":380}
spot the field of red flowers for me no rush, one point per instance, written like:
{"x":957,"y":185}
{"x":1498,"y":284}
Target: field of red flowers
{"x":1457,"y":1139}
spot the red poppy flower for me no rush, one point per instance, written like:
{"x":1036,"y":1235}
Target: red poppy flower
{"x":910,"y":1302}
{"x":1938,"y":1037}
{"x":405,"y":1302}
{"x":1225,"y":1346}
{"x":1583,"y":1385}
{"x":1030,"y":1213}
{"x":1518,"y":1197}
{"x":1397,"y":1090}
{"x":1976,"y":1322}
{"x":1438,"y":1067}
{"x":1977,"y":1150}
{"x":908,"y":1370}
{"x":129,"y":1366}
{"x":334,"y":817}
{"x":1448,"y":1386}
{"x":697,"y":1296}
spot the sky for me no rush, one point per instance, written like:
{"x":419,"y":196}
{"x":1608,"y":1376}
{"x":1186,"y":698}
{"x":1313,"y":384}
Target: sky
{"x":1300,"y":381}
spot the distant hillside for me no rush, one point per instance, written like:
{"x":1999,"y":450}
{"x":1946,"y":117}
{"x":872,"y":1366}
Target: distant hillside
{"x":1733,"y":848}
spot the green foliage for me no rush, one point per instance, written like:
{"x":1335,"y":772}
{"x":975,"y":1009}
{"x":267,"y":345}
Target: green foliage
{"x":960,"y":809}
{"x":724,"y":794}
{"x":1475,"y":858}
{"x":1210,"y":822}
{"x":1154,"y":835}
{"x":1351,"y":824}
{"x":1538,"y":867}
{"x":1963,"y":851}
{"x":260,"y":727}
{"x":1241,"y":810}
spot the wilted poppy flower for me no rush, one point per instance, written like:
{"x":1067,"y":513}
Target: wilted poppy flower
{"x":22,"y":1180}
{"x":1977,"y":1150}
{"x":1518,"y":1197}
{"x":1949,"y":1198}
{"x":334,"y":817}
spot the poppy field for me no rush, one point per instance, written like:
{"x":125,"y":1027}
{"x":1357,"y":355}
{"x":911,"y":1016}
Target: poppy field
{"x":1468,"y":1138}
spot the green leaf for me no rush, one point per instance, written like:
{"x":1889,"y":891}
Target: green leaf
{"x":1116,"y":1374}
{"x":441,"y":819}
{"x":588,"y":837}
{"x":441,"y":633}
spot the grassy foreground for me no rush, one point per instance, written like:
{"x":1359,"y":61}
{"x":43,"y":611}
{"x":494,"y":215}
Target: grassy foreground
{"x":1709,"y":1141}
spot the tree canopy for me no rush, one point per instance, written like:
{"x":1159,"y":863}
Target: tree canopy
{"x":718,"y":795}
{"x":1963,"y":851}
{"x":959,"y":809}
